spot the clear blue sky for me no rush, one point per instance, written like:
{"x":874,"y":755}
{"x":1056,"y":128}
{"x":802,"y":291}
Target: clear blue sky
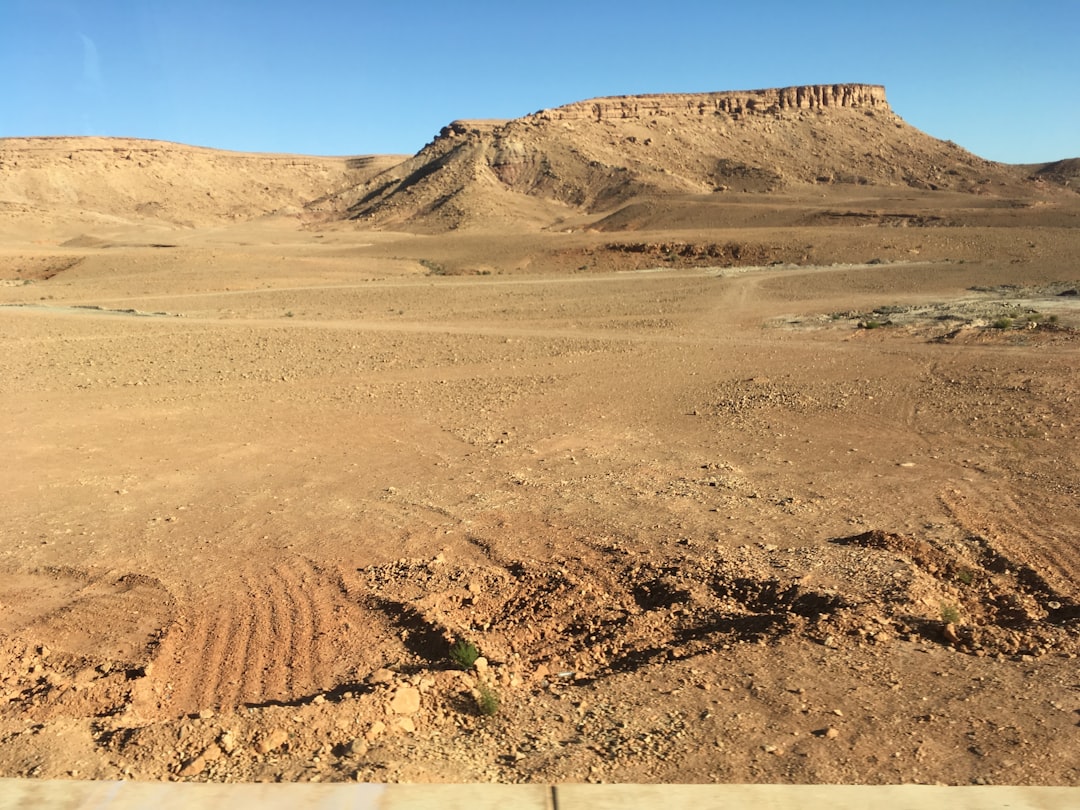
{"x":999,"y":77}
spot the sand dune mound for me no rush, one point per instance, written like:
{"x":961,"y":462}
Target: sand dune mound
{"x":596,"y":156}
{"x":114,"y":181}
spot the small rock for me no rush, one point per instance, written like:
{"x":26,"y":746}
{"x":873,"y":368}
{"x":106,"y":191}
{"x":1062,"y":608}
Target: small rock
{"x":405,"y":724}
{"x":318,"y":700}
{"x":206,"y":714}
{"x":376,"y":730}
{"x":358,"y":747}
{"x":481,"y":664}
{"x":272,"y":741}
{"x":193,"y":767}
{"x":950,"y":633}
{"x":227,"y":742}
{"x":406,"y":700}
{"x":381,"y":676}
{"x":832,"y":733}
{"x":197,"y":765}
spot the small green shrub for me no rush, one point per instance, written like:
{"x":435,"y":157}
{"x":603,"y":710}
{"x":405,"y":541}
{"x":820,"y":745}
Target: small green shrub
{"x":487,"y":700}
{"x":950,"y":614}
{"x":966,"y":576}
{"x":1002,"y":323}
{"x":463,"y":654}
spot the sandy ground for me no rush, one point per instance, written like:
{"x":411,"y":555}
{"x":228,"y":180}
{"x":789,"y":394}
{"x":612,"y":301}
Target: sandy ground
{"x":790,"y":523}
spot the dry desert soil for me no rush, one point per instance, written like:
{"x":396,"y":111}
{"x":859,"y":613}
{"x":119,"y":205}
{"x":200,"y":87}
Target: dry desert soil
{"x":737,"y":432}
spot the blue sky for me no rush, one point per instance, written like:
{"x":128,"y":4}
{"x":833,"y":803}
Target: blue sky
{"x":1000,"y":78}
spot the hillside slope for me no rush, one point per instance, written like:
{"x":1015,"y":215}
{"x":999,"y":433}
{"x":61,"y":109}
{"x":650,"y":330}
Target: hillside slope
{"x":594,"y":156}
{"x":53,"y":182}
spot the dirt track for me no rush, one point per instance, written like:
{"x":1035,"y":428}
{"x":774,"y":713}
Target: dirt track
{"x":252,"y":476}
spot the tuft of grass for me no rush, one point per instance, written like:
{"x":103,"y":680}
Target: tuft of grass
{"x":463,"y":654}
{"x":487,"y":700}
{"x":433,"y":268}
{"x":966,"y":576}
{"x":950,"y":614}
{"x":1003,"y":323}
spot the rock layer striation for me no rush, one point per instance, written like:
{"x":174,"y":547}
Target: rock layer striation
{"x":731,"y":102}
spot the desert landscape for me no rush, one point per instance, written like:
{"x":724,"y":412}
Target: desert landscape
{"x":735,"y":431}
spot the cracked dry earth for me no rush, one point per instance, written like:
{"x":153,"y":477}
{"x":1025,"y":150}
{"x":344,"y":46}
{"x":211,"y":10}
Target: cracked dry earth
{"x":701,"y":525}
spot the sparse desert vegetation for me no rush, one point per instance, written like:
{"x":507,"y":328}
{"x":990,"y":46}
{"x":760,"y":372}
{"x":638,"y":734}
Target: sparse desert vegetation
{"x":649,"y":446}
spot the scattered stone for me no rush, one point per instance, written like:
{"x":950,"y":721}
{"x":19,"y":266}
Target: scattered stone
{"x":272,"y":741}
{"x":376,"y":730}
{"x":381,"y":676}
{"x":358,"y":747}
{"x":192,"y":767}
{"x":950,"y":633}
{"x":197,"y":765}
{"x":227,"y":741}
{"x":406,"y":700}
{"x":405,"y":724}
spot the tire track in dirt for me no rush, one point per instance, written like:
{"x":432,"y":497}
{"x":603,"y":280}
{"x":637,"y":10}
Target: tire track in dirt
{"x":263,"y":656}
{"x":299,"y":609}
{"x":235,"y":663}
{"x":212,"y":666}
{"x":278,"y":637}
{"x":1028,"y":533}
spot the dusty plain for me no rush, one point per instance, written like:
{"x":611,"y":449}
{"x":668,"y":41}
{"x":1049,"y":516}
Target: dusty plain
{"x":775,"y":485}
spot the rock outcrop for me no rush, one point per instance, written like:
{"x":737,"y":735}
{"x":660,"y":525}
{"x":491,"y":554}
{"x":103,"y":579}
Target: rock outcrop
{"x":733,"y":102}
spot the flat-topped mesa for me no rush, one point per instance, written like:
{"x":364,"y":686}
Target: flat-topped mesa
{"x":730,"y":102}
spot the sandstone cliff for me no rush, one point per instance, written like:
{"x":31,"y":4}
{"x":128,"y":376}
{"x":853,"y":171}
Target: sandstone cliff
{"x":737,"y":102}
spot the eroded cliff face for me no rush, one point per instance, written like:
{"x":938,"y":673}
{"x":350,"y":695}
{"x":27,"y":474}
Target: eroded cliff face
{"x":731,"y":102}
